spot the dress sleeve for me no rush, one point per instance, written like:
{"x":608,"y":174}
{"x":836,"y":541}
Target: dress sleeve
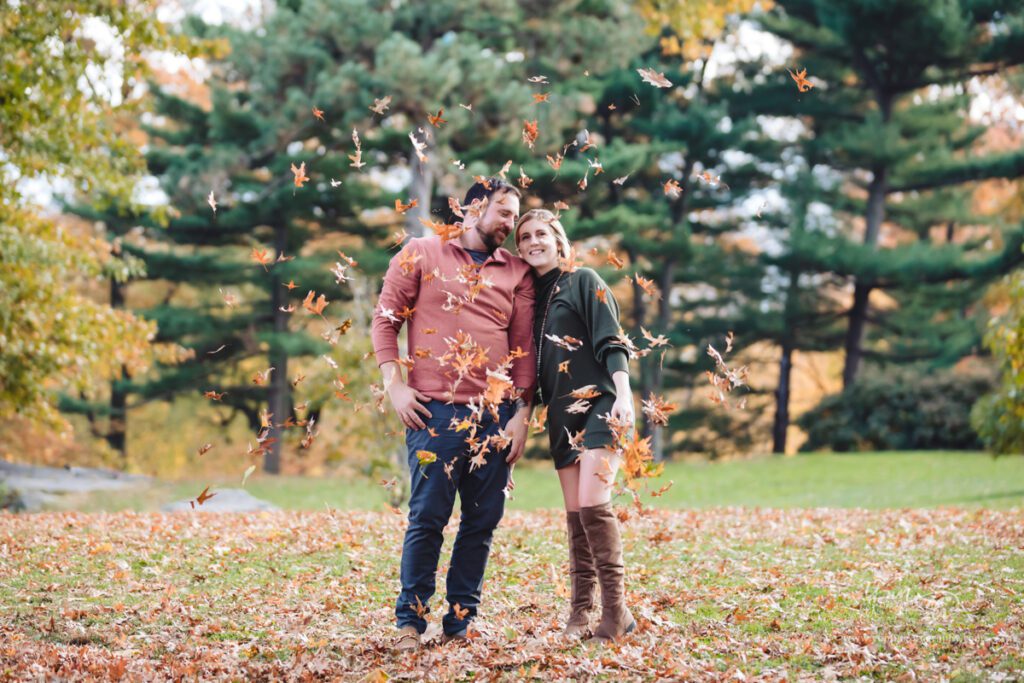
{"x":602,"y":319}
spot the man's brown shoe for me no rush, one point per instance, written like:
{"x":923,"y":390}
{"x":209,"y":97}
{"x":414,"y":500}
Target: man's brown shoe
{"x":459,"y":637}
{"x":408,"y":639}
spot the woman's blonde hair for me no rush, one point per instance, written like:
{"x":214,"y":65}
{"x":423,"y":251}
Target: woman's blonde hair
{"x":551,"y":220}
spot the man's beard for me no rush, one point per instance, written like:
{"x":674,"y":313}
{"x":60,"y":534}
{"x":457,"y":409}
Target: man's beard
{"x":490,"y":239}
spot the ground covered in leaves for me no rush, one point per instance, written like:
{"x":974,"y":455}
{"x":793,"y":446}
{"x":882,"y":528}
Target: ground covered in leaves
{"x":726,"y":594}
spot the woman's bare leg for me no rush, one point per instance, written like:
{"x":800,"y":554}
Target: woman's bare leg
{"x":597,"y":470}
{"x":569,"y":478}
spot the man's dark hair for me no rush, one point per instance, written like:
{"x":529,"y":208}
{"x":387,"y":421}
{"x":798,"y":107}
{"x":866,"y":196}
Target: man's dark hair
{"x":488,"y":187}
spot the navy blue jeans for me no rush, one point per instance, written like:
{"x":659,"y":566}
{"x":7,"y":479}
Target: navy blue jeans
{"x":431,"y":501}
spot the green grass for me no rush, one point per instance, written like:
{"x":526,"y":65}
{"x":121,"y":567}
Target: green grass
{"x":771,"y":594}
{"x":866,"y":480}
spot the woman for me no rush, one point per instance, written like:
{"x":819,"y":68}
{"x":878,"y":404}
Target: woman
{"x":580,"y":383}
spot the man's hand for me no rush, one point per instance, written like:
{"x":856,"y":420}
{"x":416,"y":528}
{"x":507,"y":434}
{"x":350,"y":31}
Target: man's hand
{"x":407,"y":403}
{"x":517,"y":427}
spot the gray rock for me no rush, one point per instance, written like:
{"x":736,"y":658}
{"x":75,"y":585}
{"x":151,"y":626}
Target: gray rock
{"x":25,"y":501}
{"x":66,"y":479}
{"x":226,"y":500}
{"x":30,"y":488}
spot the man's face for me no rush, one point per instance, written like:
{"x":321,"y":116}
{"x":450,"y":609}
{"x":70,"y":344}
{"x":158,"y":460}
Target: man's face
{"x":498,"y":220}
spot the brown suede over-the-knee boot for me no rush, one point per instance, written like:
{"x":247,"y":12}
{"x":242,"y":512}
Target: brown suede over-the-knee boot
{"x":583,"y":577}
{"x":602,"y":529}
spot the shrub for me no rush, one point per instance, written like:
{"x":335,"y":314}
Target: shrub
{"x":900,"y":409}
{"x":999,"y":417}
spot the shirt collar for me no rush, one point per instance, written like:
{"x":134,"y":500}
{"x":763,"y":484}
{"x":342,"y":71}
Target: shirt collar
{"x":500,"y":254}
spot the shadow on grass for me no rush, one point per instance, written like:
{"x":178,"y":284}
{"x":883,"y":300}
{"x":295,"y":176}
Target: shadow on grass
{"x":988,"y":496}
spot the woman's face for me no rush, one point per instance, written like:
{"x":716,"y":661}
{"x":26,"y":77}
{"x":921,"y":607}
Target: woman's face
{"x":538,"y":246}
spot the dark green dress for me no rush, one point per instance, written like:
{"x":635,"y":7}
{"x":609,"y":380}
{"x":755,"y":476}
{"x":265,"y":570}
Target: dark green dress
{"x":577,"y":311}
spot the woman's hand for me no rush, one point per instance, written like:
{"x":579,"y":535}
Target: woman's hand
{"x":622,"y":410}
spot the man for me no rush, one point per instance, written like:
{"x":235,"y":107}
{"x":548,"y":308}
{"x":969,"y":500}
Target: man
{"x":469,"y":305}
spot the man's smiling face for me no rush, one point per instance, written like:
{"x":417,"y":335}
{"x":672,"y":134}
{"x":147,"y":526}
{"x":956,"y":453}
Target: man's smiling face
{"x":498,"y":220}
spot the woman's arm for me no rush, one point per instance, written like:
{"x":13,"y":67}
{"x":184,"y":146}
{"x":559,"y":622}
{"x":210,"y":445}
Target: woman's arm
{"x":622,"y":409}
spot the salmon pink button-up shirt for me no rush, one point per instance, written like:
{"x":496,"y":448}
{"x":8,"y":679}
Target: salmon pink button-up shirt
{"x":452,"y":300}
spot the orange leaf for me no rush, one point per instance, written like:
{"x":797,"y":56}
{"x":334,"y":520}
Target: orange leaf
{"x":205,"y":496}
{"x":530,"y":133}
{"x":800,"y":77}
{"x":300,"y":174}
{"x":402,"y":208}
{"x":435,"y":120}
{"x":261,"y":256}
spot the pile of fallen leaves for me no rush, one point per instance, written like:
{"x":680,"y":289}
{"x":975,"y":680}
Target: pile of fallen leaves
{"x":729,"y":594}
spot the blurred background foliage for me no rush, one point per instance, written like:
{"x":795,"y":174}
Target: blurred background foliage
{"x":861,"y":239}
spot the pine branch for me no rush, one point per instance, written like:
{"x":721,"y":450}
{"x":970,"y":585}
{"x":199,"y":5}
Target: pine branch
{"x":1010,"y":165}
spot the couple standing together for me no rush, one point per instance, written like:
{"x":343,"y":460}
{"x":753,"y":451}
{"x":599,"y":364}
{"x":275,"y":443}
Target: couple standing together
{"x":518,"y":303}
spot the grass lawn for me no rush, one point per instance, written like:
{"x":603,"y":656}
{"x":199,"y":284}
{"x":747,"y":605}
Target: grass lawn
{"x":725,"y":594}
{"x":872,"y":480}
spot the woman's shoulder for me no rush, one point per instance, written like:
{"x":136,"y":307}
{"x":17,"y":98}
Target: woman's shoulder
{"x":586,"y":278}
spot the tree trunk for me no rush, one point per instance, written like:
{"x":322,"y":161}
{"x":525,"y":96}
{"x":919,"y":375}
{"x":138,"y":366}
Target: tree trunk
{"x":780,"y":426}
{"x":278,"y":399}
{"x":117,"y":429}
{"x":422,"y":190}
{"x":863,"y":286}
{"x":656,"y":375}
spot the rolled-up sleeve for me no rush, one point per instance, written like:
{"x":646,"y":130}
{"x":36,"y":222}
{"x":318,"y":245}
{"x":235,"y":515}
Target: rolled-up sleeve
{"x":400,"y":289}
{"x":520,"y":335}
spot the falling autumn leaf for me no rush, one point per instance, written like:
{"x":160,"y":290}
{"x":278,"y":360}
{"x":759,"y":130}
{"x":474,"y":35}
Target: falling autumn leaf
{"x":315,"y":307}
{"x":800,"y":77}
{"x":380,"y":105}
{"x":402,"y":208}
{"x":588,"y":391}
{"x":529,"y":133}
{"x":655,"y":78}
{"x":612,"y":259}
{"x":650,"y":289}
{"x":524,"y":180}
{"x":261,"y":256}
{"x":204,"y":496}
{"x":657,"y":409}
{"x":419,"y":148}
{"x":300,"y":174}
{"x":435,"y":119}
{"x":357,"y":158}
{"x":318,"y":113}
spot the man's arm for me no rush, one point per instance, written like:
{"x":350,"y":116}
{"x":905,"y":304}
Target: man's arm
{"x":400,"y":289}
